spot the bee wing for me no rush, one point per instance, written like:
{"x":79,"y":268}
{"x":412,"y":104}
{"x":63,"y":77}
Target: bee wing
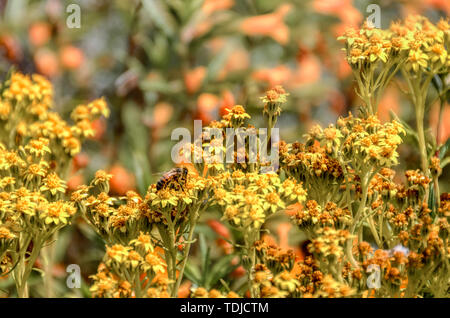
{"x":160,"y":174}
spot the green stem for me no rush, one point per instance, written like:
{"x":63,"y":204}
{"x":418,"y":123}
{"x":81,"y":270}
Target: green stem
{"x":48,"y":253}
{"x":421,"y":134}
{"x":26,"y":268}
{"x":185,"y":256}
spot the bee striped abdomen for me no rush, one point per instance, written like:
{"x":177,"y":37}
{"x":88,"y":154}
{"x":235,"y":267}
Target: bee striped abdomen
{"x":174,"y":177}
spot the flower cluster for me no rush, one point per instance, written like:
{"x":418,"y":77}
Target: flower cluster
{"x":362,"y":141}
{"x":25,"y":108}
{"x":136,"y":270}
{"x":171,"y":211}
{"x":311,"y":217}
{"x":247,"y":199}
{"x":201,"y":292}
{"x":36,"y":146}
{"x":414,"y":45}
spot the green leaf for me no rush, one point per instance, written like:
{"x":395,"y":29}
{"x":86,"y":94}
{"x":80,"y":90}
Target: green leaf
{"x":432,"y":202}
{"x":218,"y":62}
{"x":408,"y":128}
{"x":192,"y":273}
{"x":220,"y":269}
{"x":204,"y":252}
{"x":444,"y":149}
{"x":160,"y":15}
{"x":135,"y":145}
{"x":40,"y":271}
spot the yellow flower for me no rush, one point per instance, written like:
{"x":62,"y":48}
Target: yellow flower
{"x":262,"y":183}
{"x":7,"y":181}
{"x":6,"y":234}
{"x":144,"y":241}
{"x":438,"y":53}
{"x":286,"y":282}
{"x":81,"y":193}
{"x":221,"y":196}
{"x":355,"y":56}
{"x":163,"y":197}
{"x":349,"y":36}
{"x":117,"y":253}
{"x":103,"y":197}
{"x":375,"y":52}
{"x":35,"y":170}
{"x":134,"y":259}
{"x":154,"y":263}
{"x":5,"y":110}
{"x":83,"y":128}
{"x":24,"y":206}
{"x":101,"y":176}
{"x":232,"y":215}
{"x":236,"y":116}
{"x":57,"y":212}
{"x":53,"y":184}
{"x":416,"y":59}
{"x":273,"y":202}
{"x":20,"y":88}
{"x":256,"y":217}
{"x":80,"y":112}
{"x":72,"y":145}
{"x":38,"y":147}
{"x":99,"y":107}
{"x":298,"y":193}
{"x":102,"y":209}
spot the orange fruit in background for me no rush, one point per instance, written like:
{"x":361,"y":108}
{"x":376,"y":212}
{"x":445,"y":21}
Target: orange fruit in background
{"x":238,"y":60}
{"x":99,"y":127}
{"x":206,"y":105}
{"x":46,"y":62}
{"x":75,"y":181}
{"x":226,"y":246}
{"x":162,"y":113}
{"x":444,"y":131}
{"x":10,"y":46}
{"x":278,"y":75}
{"x":121,"y":181}
{"x":185,"y":289}
{"x":238,"y":272}
{"x":389,"y":102}
{"x":228,"y":101}
{"x":71,"y":57}
{"x":193,"y":79}
{"x":209,"y":6}
{"x":219,"y":228}
{"x":283,"y":234}
{"x":270,"y":24}
{"x":39,"y":33}
{"x":80,"y":161}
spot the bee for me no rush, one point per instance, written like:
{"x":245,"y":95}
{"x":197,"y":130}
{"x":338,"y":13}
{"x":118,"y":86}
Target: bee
{"x":174,"y":178}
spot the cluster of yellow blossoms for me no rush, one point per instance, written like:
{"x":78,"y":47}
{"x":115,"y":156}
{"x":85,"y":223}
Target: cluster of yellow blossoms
{"x":421,"y":43}
{"x":169,"y":214}
{"x":415,"y":46}
{"x":247,"y":199}
{"x":136,"y":270}
{"x":361,"y":142}
{"x":36,"y":146}
{"x":342,"y":195}
{"x":25,"y":105}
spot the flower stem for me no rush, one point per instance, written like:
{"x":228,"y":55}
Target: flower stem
{"x":185,"y":256}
